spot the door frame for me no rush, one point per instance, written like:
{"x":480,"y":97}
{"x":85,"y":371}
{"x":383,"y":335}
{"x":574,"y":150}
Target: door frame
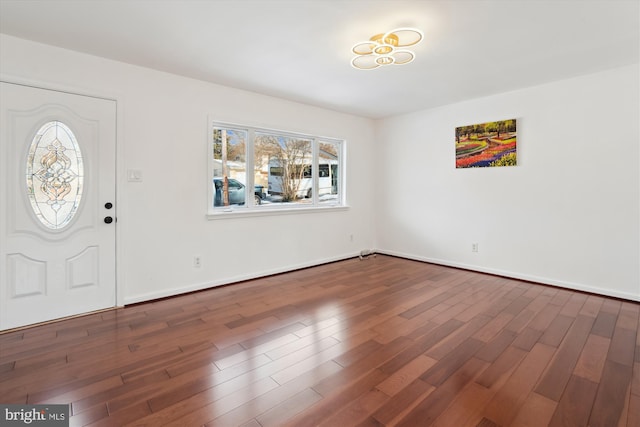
{"x":117,"y":97}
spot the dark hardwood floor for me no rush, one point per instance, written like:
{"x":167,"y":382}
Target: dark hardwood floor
{"x":378,"y":342}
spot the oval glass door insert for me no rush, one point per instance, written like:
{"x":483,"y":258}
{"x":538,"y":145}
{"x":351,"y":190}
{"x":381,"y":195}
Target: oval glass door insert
{"x":55,"y":175}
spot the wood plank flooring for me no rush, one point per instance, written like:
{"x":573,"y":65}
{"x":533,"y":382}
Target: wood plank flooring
{"x":377,"y":342}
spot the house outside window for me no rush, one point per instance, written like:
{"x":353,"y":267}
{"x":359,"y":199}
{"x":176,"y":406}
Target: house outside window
{"x":285,"y":170}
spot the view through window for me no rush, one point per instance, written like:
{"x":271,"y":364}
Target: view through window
{"x":289,"y":170}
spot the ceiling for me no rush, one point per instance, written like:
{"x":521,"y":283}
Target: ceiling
{"x":301,"y":49}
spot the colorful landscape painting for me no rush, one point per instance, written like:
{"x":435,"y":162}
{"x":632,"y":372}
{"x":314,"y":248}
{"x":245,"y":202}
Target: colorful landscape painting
{"x":486,"y":144}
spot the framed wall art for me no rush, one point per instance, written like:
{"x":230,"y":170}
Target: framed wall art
{"x":488,"y":144}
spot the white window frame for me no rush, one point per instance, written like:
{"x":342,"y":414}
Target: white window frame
{"x":249,"y":209}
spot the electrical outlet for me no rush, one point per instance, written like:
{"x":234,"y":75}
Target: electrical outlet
{"x":474,"y":247}
{"x":197,"y":262}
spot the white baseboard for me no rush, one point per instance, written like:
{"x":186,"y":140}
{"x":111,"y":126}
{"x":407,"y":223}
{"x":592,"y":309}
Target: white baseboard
{"x":515,"y":275}
{"x":510,"y":274}
{"x":134,"y":299}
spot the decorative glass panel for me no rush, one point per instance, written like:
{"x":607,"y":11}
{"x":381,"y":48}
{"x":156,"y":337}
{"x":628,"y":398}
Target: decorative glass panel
{"x":55,"y":175}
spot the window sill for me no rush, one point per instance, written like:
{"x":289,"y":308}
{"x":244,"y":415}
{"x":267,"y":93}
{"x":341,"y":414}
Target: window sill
{"x":269,"y":211}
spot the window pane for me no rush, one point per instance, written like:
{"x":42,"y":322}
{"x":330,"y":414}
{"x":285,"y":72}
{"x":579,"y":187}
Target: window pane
{"x":55,"y":175}
{"x":283,"y":163}
{"x":288,"y":169}
{"x":328,"y":179}
{"x":229,"y":166}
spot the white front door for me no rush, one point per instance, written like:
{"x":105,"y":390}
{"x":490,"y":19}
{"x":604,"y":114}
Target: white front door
{"x":57,"y":204}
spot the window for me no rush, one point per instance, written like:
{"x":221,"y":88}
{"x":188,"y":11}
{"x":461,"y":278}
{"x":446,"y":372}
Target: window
{"x":55,"y":175}
{"x":229,"y":166}
{"x":285,"y":170}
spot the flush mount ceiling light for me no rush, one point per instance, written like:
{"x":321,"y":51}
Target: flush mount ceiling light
{"x":386,"y":49}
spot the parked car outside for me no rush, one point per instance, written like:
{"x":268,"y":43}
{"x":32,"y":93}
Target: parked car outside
{"x":236,"y":192}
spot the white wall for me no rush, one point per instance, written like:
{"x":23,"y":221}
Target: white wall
{"x":162,"y":130}
{"x":567,"y":215}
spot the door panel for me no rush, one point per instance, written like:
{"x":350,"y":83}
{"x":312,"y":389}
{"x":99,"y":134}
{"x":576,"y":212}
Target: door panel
{"x":50,"y":266}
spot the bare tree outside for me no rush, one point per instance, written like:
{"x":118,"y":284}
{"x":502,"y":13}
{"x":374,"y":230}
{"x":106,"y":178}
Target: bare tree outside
{"x":292,"y":156}
{"x":293,"y":169}
{"x":235,"y":142}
